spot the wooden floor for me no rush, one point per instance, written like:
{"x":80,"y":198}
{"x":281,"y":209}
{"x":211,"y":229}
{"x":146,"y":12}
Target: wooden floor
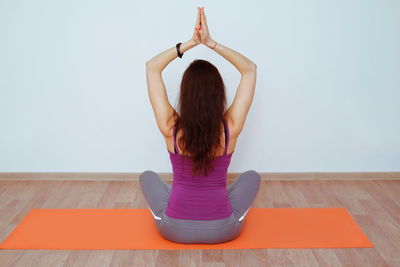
{"x":374,"y":205}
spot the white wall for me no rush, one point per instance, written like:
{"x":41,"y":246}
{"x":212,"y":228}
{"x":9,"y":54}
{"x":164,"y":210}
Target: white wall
{"x":73,"y":93}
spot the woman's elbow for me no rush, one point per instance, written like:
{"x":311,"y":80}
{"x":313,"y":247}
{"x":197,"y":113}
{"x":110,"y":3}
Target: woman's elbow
{"x":148,"y":64}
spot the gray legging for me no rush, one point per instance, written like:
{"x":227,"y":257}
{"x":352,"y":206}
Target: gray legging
{"x":241,"y":194}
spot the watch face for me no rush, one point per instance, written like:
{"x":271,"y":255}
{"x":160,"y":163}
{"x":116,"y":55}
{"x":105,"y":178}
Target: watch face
{"x":177,"y":48}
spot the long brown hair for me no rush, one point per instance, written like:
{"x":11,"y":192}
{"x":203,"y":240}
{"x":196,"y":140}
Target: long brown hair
{"x":201,"y":106}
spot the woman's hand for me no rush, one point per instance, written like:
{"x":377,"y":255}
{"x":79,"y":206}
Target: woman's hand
{"x":196,"y":34}
{"x":205,"y":37}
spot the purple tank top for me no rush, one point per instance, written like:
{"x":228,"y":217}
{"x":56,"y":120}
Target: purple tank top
{"x":200,"y":197}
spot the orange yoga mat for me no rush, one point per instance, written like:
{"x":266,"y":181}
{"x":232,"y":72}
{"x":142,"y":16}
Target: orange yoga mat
{"x":135,"y":229}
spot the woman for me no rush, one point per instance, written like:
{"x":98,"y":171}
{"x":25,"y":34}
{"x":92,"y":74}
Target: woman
{"x":198,"y":208}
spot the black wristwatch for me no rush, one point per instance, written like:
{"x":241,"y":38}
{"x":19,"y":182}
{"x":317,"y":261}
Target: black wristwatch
{"x":178,"y":45}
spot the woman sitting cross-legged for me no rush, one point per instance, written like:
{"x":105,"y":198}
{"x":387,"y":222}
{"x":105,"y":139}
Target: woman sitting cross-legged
{"x":201,"y":138}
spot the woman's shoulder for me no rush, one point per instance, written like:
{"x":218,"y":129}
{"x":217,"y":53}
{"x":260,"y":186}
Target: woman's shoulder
{"x":230,"y":124}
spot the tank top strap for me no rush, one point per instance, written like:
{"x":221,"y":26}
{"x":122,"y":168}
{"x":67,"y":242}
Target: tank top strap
{"x":175,"y":146}
{"x":226,"y":136}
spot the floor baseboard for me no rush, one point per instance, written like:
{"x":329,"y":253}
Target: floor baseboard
{"x":127,"y":176}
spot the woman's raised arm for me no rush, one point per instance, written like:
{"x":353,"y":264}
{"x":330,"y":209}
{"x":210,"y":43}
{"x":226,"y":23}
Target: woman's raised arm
{"x":236,"y":114}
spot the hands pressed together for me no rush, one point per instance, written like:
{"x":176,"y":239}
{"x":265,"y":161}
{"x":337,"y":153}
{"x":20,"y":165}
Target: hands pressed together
{"x":201,"y":33}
